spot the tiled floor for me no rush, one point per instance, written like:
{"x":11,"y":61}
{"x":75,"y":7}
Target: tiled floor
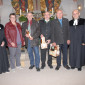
{"x":46,"y":76}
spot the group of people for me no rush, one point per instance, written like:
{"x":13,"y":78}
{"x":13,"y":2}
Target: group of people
{"x":60,"y":31}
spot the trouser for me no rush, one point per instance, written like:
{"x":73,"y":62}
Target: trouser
{"x":43,"y":57}
{"x":63,"y":48}
{"x":14,"y":56}
{"x":31,"y":56}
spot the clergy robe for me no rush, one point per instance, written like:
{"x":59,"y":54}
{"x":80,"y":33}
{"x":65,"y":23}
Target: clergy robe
{"x":83,"y":48}
{"x":4,"y":64}
{"x":76,"y":38}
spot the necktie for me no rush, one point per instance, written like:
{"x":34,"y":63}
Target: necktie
{"x":29,"y":28}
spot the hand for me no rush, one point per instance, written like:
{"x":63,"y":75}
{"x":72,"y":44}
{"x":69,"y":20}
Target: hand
{"x":41,"y":36}
{"x":48,"y":41}
{"x":83,"y":43}
{"x":31,"y":38}
{"x":27,"y":35}
{"x":54,"y":44}
{"x":24,"y":42}
{"x":2,"y":44}
{"x":13,"y":44}
{"x":68,"y":42}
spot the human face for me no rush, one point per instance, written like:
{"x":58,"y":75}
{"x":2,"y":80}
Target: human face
{"x":75,"y":14}
{"x":29,"y":16}
{"x":47,"y":16}
{"x":12,"y":18}
{"x":59,"y":14}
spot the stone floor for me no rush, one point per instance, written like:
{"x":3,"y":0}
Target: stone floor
{"x":46,"y":76}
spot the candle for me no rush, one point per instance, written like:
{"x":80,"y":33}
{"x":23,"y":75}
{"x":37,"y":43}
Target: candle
{"x":20,"y":12}
{"x":27,"y":10}
{"x":46,"y":9}
{"x":52,"y":11}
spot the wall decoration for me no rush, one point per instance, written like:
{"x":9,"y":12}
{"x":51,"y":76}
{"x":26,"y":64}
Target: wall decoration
{"x":56,"y":5}
{"x":43,"y":5}
{"x":16,"y":6}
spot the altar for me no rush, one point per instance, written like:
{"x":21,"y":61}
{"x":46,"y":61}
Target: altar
{"x":37,"y":7}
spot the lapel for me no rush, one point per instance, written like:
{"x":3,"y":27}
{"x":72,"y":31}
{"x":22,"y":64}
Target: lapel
{"x":58,"y":23}
{"x":32,"y":27}
{"x":26,"y":25}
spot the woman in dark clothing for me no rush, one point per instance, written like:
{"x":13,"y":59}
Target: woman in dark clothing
{"x":4,"y":64}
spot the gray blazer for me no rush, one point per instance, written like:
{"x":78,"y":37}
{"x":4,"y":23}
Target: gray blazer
{"x":35,"y":33}
{"x":60,"y":34}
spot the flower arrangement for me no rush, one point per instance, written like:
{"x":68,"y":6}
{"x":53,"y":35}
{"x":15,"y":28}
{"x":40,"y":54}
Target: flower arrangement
{"x":22,"y":18}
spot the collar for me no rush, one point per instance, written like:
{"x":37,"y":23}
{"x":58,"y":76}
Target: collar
{"x":47,"y":20}
{"x":30,"y":22}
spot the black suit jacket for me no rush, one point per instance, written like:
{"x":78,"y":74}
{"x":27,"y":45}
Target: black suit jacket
{"x":60,"y":34}
{"x":45,"y":29}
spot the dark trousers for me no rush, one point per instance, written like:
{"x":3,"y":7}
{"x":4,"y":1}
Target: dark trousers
{"x":43,"y":57}
{"x":63,"y":49}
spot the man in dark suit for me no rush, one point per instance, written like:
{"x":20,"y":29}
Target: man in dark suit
{"x":45,"y":30}
{"x":60,"y":35}
{"x":32,"y":40}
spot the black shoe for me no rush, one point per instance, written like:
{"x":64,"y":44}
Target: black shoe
{"x":67,"y":67}
{"x":31,"y":67}
{"x":42,"y":67}
{"x":79,"y":69}
{"x":72,"y":67}
{"x":57,"y":67}
{"x":38,"y":69}
{"x":50,"y":66}
{"x":7,"y":71}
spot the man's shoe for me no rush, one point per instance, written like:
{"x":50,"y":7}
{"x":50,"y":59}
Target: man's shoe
{"x":38,"y":69}
{"x":57,"y":67}
{"x":42,"y":67}
{"x":72,"y":67}
{"x":67,"y":67}
{"x":79,"y":69}
{"x":31,"y":67}
{"x":50,"y":66}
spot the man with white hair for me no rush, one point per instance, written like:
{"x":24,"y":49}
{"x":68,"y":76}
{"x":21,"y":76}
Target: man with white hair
{"x":76,"y":40}
{"x":60,"y":36}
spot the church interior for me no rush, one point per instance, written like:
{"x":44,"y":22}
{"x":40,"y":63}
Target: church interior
{"x":46,"y":76}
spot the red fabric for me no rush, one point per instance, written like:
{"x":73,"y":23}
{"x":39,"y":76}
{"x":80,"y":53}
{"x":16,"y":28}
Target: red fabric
{"x":11,"y":34}
{"x":30,"y":22}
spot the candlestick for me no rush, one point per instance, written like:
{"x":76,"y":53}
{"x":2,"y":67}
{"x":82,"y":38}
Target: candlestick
{"x":52,"y":11}
{"x":20,"y":12}
{"x":27,"y":10}
{"x":46,"y":9}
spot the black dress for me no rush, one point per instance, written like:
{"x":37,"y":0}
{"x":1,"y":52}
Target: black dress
{"x":76,"y":38}
{"x":4,"y":64}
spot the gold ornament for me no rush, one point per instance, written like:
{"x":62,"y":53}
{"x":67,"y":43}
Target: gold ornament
{"x":43,"y":5}
{"x":56,"y":4}
{"x":30,"y":5}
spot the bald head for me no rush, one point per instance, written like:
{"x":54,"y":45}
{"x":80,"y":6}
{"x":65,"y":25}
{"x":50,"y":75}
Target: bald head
{"x":29,"y":16}
{"x":76,"y":14}
{"x":59,"y":14}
